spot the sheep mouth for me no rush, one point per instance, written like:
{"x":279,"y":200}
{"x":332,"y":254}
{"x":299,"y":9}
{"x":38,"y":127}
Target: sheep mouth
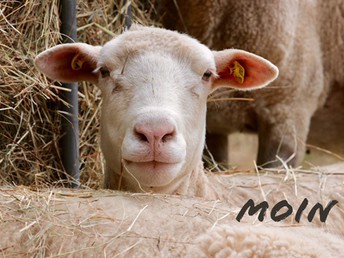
{"x":154,"y":165}
{"x":152,"y":173}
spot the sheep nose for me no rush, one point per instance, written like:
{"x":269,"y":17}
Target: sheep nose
{"x":155,"y":133}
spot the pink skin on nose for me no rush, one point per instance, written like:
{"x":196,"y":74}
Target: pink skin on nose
{"x":155,"y":135}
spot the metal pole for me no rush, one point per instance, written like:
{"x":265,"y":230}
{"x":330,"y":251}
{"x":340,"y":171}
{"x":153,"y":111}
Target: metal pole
{"x":70,"y":128}
{"x":128,"y":15}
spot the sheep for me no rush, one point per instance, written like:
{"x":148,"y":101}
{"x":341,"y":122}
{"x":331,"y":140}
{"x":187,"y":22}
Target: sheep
{"x":304,"y":39}
{"x":103,"y":223}
{"x":154,"y":85}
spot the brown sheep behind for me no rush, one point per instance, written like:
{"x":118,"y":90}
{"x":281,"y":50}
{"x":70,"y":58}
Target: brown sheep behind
{"x":305,"y":40}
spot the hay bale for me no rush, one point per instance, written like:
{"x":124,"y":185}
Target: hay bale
{"x":88,"y":223}
{"x":29,"y":103}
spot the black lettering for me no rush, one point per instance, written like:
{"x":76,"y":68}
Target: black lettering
{"x":323,"y":213}
{"x":301,"y":209}
{"x":252,"y":209}
{"x":277,"y":208}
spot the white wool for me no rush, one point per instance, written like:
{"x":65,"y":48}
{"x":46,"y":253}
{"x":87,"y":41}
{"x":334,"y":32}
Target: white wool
{"x":266,"y":241}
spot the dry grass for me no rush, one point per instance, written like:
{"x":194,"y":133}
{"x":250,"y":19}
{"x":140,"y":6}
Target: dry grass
{"x":102,"y":223}
{"x":50,"y":222}
{"x":29,"y":103}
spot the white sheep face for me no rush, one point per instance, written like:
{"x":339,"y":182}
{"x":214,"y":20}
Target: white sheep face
{"x":153,"y":117}
{"x":154,"y":84}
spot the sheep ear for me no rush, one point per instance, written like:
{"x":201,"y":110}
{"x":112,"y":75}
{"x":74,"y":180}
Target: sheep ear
{"x":243,"y":70}
{"x":69,"y":62}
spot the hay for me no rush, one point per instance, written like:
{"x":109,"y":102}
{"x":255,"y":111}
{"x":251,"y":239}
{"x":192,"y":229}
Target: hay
{"x":29,"y":103}
{"x":88,"y":223}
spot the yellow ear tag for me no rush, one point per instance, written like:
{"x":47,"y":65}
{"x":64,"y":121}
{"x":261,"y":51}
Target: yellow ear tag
{"x":238,"y":72}
{"x":77,"y":62}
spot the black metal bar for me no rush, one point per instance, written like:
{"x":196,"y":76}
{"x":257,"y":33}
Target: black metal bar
{"x":128,"y":16}
{"x":69,"y":143}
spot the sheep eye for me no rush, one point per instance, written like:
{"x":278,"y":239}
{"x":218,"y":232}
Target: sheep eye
{"x":206,"y":76}
{"x":104,"y":72}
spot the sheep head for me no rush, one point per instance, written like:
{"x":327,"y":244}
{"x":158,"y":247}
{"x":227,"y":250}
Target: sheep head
{"x":154,"y":85}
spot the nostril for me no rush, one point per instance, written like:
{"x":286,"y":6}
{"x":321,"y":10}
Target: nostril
{"x":140,"y":134}
{"x":167,"y":137}
{"x":141,"y":137}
